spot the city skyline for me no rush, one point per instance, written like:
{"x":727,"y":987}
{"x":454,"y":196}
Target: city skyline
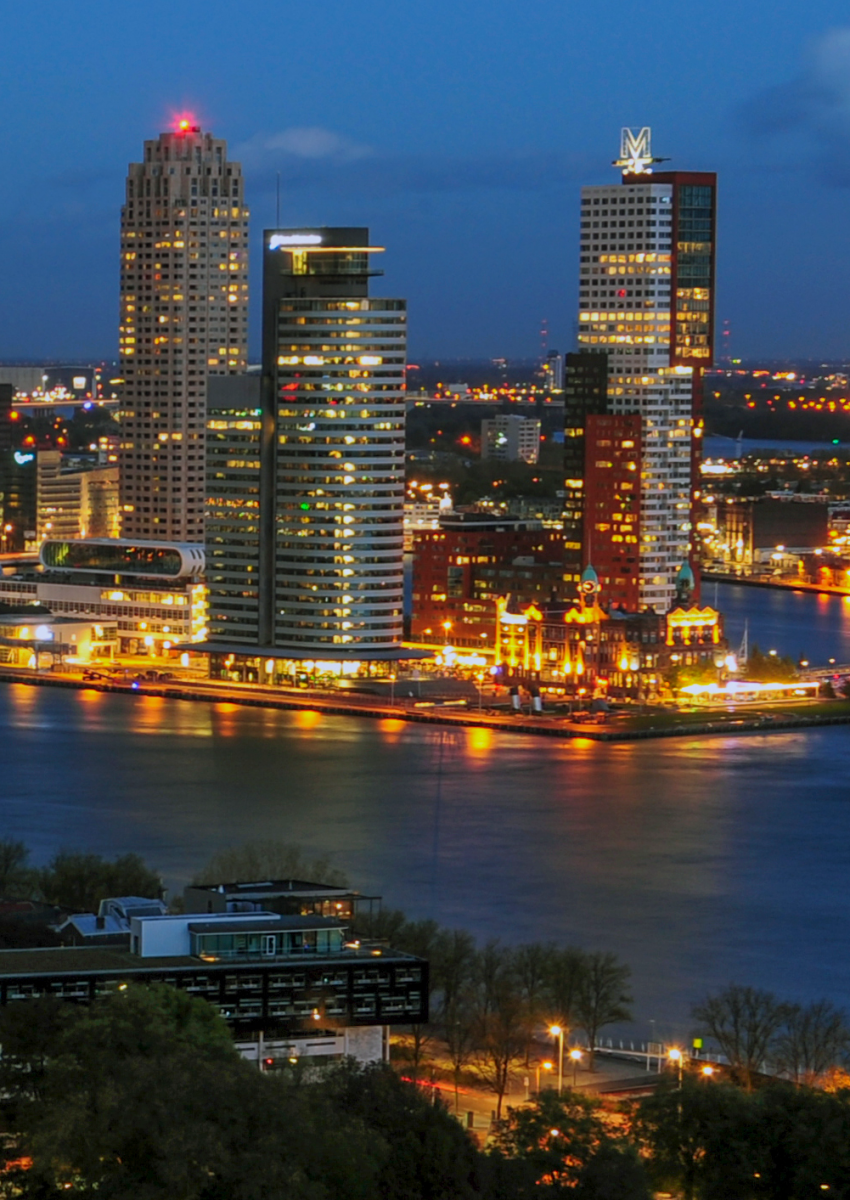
{"x":482,"y":164}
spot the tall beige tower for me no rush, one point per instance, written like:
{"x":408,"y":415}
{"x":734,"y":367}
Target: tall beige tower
{"x":184,"y":317}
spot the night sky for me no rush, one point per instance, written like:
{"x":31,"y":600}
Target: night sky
{"x":459,"y":132}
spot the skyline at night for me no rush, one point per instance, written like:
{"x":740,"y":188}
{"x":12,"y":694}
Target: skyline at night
{"x":461,"y":137}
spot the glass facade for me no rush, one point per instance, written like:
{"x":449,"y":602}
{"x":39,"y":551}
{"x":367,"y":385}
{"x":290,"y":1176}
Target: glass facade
{"x":114,"y":559}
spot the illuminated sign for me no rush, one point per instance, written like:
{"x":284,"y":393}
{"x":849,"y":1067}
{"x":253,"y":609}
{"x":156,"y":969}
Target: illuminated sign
{"x":22,"y":459}
{"x":282,"y":240}
{"x":636,"y":152}
{"x":79,"y":382}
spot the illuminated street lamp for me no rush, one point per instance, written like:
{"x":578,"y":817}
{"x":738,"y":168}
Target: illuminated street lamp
{"x":547,"y":1066}
{"x":557,"y":1031}
{"x":576,"y":1056}
{"x":676,"y":1056}
{"x":447,"y":625}
{"x":708,"y":1072}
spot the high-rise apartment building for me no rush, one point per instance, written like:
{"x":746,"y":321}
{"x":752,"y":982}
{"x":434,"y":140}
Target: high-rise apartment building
{"x":510,"y":438}
{"x":184,"y":317}
{"x":646,"y":301}
{"x":306,"y":476}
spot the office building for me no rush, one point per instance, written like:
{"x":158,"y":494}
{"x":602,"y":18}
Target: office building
{"x":151,"y":594}
{"x":510,"y":438}
{"x":306,"y":478}
{"x":76,"y":498}
{"x":184,"y":317}
{"x":288,"y":986}
{"x":647,"y":301}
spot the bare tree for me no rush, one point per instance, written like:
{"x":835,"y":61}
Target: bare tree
{"x":268,"y":860}
{"x":812,"y":1040}
{"x":744,"y":1022}
{"x":532,"y":970}
{"x":459,"y":1032}
{"x":501,"y":1020}
{"x":603,"y":996}
{"x":452,"y":965}
{"x":17,"y":879}
{"x":567,"y":969}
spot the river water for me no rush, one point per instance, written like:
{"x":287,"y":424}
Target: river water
{"x":698,"y":861}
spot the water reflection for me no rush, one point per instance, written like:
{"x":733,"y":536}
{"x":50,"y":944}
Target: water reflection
{"x":698,"y":861}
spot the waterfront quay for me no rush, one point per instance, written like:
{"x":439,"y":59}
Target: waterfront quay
{"x":618,"y":725}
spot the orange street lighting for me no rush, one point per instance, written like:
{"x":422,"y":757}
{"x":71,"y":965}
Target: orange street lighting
{"x":557,"y":1031}
{"x":708,"y":1072}
{"x":576,"y":1056}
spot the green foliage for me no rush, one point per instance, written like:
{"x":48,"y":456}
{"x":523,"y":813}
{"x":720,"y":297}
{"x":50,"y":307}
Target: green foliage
{"x":268,"y":860}
{"x":713,"y":1140}
{"x":144,"y":1095}
{"x":769,"y":668}
{"x":79,"y":882}
{"x":562,"y":1144}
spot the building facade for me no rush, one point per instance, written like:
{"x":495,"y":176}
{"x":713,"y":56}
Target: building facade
{"x":460,"y":570}
{"x":510,"y":438}
{"x":184,"y":317}
{"x":75,"y":499}
{"x":319,"y":465}
{"x":647,"y":301}
{"x":288,"y":986}
{"x":152,"y":595}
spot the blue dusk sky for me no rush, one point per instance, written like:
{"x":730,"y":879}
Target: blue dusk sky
{"x":459,"y":132}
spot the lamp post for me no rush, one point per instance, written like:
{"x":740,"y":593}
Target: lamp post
{"x":676,"y":1056}
{"x":575,"y":1055}
{"x":547,"y":1066}
{"x":557,"y":1031}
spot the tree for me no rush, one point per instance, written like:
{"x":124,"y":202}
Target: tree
{"x":770,"y":668}
{"x":268,"y":860}
{"x":800,"y":1143}
{"x":532,"y":970}
{"x":561,"y":1145}
{"x":426,"y":1151}
{"x":603,"y":996}
{"x":419,"y":938}
{"x":555,"y":1137}
{"x":696,"y":1136}
{"x":17,"y":878}
{"x":79,"y":882}
{"x":501,"y":1020}
{"x":144,"y":1095}
{"x":744,"y":1022}
{"x":566,"y":973}
{"x":812,"y":1039}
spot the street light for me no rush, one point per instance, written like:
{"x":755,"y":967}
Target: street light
{"x":676,"y":1056}
{"x":557,"y":1031}
{"x":547,"y":1066}
{"x":576,"y":1056}
{"x":708,"y":1072}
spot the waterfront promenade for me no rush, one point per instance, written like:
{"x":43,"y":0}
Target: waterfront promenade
{"x":619,"y":726}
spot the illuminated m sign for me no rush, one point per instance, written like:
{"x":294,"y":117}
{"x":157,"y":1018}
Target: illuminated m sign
{"x":636,"y":152}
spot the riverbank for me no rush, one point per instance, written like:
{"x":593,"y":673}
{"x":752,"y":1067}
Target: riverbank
{"x":785,"y":585}
{"x":619,"y":728}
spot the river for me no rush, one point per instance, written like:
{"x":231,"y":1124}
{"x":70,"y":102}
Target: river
{"x":698,"y":861}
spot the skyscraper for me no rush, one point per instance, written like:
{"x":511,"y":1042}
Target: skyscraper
{"x":184,"y":317}
{"x":306,"y":476}
{"x":646,"y":301}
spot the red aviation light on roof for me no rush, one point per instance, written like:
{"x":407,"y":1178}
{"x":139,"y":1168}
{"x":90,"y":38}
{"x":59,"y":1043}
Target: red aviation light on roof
{"x":186,"y":124}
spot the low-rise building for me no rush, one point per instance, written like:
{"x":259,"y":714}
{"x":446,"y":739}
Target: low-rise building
{"x":288,"y":986}
{"x":152,"y":593}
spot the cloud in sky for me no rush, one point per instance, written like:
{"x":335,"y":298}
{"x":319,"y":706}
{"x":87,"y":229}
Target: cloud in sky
{"x":317,"y":157}
{"x":810,"y":111}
